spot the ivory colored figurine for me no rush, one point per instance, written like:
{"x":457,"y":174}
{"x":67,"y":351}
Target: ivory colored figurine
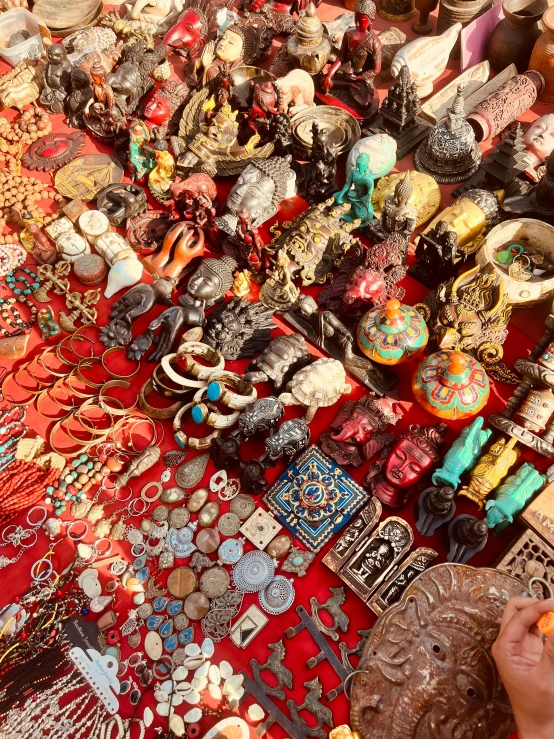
{"x":426,"y":58}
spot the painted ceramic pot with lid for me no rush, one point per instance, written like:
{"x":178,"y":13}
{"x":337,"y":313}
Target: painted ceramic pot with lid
{"x":393,"y":334}
{"x":451,"y":385}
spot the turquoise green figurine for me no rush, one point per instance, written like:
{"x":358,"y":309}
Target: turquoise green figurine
{"x":358,"y":191}
{"x":141,"y":156}
{"x":462,"y":455}
{"x":49,"y":329}
{"x":512,"y":496}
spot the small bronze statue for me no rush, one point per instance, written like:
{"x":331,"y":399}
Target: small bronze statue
{"x":470,"y":313}
{"x":468,"y":536}
{"x":57,"y":79}
{"x":120,"y":202}
{"x":136,"y":302}
{"x":81,"y":93}
{"x":279,"y":291}
{"x":194,"y":200}
{"x":239,"y":328}
{"x":438,"y":256}
{"x":207,"y":285}
{"x":351,"y":76}
{"x":101,"y":115}
{"x":434,"y":507}
{"x":316,"y":180}
{"x":248,"y":247}
{"x":398,"y":216}
{"x":538,"y":202}
{"x":328,"y":332}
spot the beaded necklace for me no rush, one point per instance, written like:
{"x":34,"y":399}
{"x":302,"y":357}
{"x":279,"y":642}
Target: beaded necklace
{"x":30,"y":287}
{"x":12,"y":317}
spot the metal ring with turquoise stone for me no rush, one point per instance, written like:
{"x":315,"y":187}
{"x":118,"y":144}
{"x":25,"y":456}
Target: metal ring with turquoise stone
{"x":242,"y":393}
{"x":190,"y":442}
{"x":210,"y":414}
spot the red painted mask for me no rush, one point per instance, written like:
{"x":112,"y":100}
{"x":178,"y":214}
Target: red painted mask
{"x":186,"y":33}
{"x":157,"y":110}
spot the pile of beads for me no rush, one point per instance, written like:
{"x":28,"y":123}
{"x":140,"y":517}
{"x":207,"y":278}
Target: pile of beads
{"x":12,"y":426}
{"x":76,"y":479}
{"x":32,"y":125}
{"x":11,"y":257}
{"x":12,"y":278}
{"x":11,"y":316}
{"x":19,"y":193}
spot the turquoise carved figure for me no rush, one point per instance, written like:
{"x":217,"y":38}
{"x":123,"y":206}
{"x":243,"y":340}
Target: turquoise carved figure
{"x":357,"y":192}
{"x":512,"y":496}
{"x":463,"y":454}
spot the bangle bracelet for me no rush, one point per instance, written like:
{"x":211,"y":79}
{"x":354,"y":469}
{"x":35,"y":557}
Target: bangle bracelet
{"x":40,"y":381}
{"x":78,"y":393}
{"x":37,"y":407}
{"x":210,"y":414}
{"x":40,"y":360}
{"x":157,"y":413}
{"x":88,"y":362}
{"x":115,"y":411}
{"x":60,"y":347}
{"x":118,"y":375}
{"x":22,"y":387}
{"x":191,"y":442}
{"x":185,"y":359}
{"x":55,"y":386}
{"x":91,"y":404}
{"x":77,"y":335}
{"x":175,"y":376}
{"x":122,"y":423}
{"x":216,"y":391}
{"x":164,"y":390}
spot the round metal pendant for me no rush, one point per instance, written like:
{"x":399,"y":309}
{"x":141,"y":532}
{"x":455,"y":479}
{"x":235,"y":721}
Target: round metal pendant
{"x":214,"y":582}
{"x":229,"y":524}
{"x":243,"y":506}
{"x":179,"y":541}
{"x":230,"y":551}
{"x":181,"y":582}
{"x":145,"y":610}
{"x":179,"y":517}
{"x":278,"y":596}
{"x":160,"y":514}
{"x":181,"y":621}
{"x":253,"y":572}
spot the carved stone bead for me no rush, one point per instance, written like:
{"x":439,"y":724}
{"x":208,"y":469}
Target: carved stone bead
{"x":279,"y":547}
{"x":208,"y":514}
{"x":197,"y":500}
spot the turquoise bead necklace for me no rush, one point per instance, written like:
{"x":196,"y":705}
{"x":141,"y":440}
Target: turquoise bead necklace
{"x":30,"y":286}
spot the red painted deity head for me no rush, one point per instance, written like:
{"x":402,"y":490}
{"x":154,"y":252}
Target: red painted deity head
{"x":365,"y":12}
{"x":188,"y":31}
{"x":157,"y":110}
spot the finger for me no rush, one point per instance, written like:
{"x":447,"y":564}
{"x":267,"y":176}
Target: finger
{"x":514,"y":606}
{"x":548,"y":653}
{"x":520,"y":623}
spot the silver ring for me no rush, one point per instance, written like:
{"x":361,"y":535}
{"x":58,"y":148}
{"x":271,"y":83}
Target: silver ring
{"x":70,"y":526}
{"x":39,"y":523}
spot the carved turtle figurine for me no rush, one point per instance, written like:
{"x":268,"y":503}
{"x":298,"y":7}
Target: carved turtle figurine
{"x":318,"y":385}
{"x":282,"y":354}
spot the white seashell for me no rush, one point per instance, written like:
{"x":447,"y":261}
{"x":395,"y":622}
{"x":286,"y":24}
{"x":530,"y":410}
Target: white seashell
{"x":256,"y":712}
{"x":215,"y":691}
{"x":192,"y":697}
{"x":147,"y":717}
{"x":177,"y":725}
{"x":183,"y":688}
{"x":202,"y":671}
{"x":124,"y":273}
{"x":199,"y":683}
{"x":192,"y":650}
{"x":167,"y":686}
{"x":225,"y":669}
{"x":194,"y":715}
{"x":208,"y":648}
{"x":233,"y":726}
{"x":180,"y":673}
{"x":162,"y":709}
{"x":232,"y":684}
{"x":177,"y":699}
{"x":191,"y":663}
{"x":234,"y":698}
{"x":214,"y":675}
{"x":161,"y":696}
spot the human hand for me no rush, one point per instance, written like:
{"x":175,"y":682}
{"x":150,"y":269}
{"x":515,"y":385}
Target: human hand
{"x":526,"y":666}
